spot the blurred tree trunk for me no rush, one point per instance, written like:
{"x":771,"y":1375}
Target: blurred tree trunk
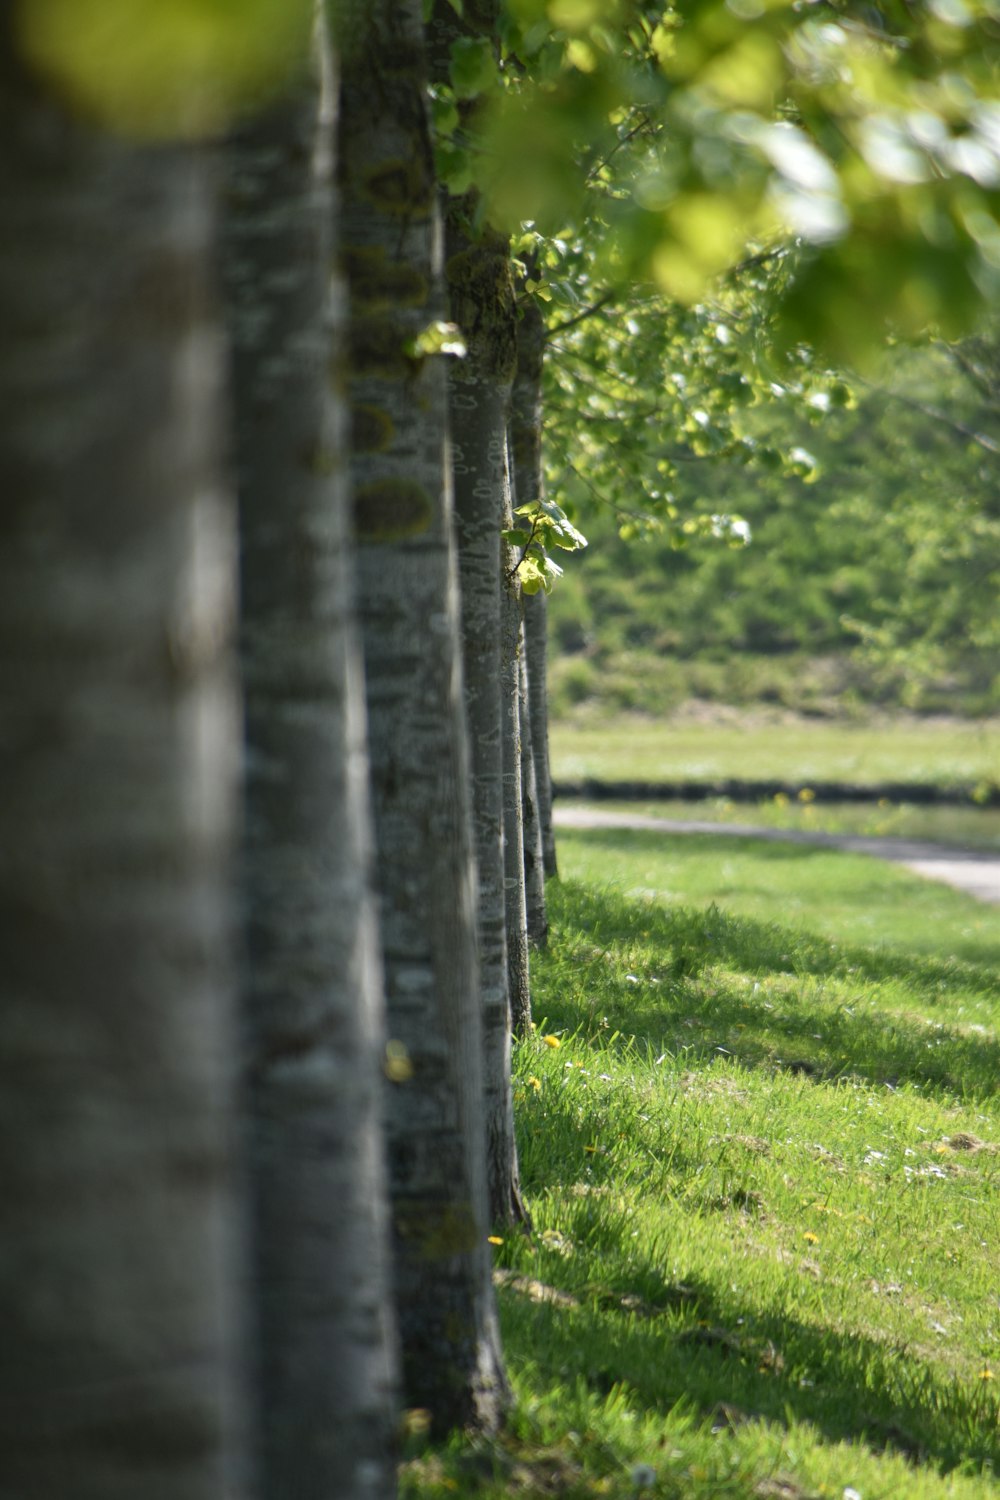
{"x":119,"y":1267}
{"x":526,"y":437}
{"x":391,"y":248}
{"x":313,"y":996}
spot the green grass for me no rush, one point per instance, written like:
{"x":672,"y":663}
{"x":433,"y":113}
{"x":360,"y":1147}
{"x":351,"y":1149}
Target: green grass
{"x":852,"y":899}
{"x":784,"y":747}
{"x":761,"y":1146}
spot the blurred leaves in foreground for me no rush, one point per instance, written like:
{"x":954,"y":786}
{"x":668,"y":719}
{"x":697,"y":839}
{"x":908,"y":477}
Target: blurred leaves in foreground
{"x":163,"y":69}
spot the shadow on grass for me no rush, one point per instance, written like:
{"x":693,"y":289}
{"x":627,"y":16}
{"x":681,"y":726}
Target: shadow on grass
{"x":627,"y":1323}
{"x":755,"y":991}
{"x":729,"y":1367}
{"x":921,"y":896}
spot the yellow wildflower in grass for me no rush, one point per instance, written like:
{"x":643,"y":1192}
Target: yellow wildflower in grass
{"x":534,"y":1083}
{"x":494,"y":1239}
{"x":986,"y":1374}
{"x":810,"y":1238}
{"x":551,"y":1041}
{"x":806,"y":794}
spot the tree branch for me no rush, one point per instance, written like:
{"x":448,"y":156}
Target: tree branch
{"x":936,"y":415}
{"x":581,"y":317}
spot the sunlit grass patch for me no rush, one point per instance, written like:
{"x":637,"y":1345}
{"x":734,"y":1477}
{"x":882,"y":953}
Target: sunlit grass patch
{"x":795,"y":889}
{"x":763,"y":1165}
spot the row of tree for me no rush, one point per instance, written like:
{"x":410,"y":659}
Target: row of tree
{"x":266,"y":913}
{"x":259,"y":1119}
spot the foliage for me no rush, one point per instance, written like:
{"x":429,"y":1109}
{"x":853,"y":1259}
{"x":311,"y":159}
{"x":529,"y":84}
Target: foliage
{"x":762,"y":1162}
{"x":544,"y":525}
{"x":663,"y":389}
{"x":839,"y":166}
{"x":888,"y":533}
{"x":164,"y":69}
{"x":869,"y":135}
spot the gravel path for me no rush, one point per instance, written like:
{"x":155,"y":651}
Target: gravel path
{"x":971,"y":870}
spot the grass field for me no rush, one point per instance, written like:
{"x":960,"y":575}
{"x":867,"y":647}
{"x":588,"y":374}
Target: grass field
{"x":760,"y":1135}
{"x":843,"y":898}
{"x":716,"y":743}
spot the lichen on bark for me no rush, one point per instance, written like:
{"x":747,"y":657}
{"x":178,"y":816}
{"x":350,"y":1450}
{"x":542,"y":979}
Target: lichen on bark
{"x":375,"y":350}
{"x":378,"y":283}
{"x":372,"y":429}
{"x":391,"y":509}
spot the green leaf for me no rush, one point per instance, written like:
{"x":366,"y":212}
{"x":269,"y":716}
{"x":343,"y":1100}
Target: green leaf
{"x":803,"y":465}
{"x":538,"y":571}
{"x":473,"y":66}
{"x":560,"y":528}
{"x":444,"y":113}
{"x":455,"y":167}
{"x":437,"y":338}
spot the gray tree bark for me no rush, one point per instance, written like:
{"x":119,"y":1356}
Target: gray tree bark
{"x":536,"y":634}
{"x":479,"y":392}
{"x":119,"y":1272}
{"x":314,"y":1019}
{"x":534,"y":868}
{"x":526,"y":437}
{"x":481,"y":301}
{"x":403,"y":507}
{"x":511,"y":635}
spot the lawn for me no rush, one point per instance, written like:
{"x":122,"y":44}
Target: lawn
{"x":778,"y":746}
{"x":760,"y":1136}
{"x":845,"y":898}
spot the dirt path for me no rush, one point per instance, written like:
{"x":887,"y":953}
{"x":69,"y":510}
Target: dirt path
{"x":969,"y":870}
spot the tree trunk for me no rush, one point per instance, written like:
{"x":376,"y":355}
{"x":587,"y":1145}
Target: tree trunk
{"x":526,"y":435}
{"x":313,"y":999}
{"x":481,"y":300}
{"x":479,"y":393}
{"x":534,"y":868}
{"x":513,"y":793}
{"x":536,"y":635}
{"x":409,"y":606}
{"x":119,"y":1271}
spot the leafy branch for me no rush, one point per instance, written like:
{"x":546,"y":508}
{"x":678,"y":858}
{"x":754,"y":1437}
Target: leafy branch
{"x":547,"y":526}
